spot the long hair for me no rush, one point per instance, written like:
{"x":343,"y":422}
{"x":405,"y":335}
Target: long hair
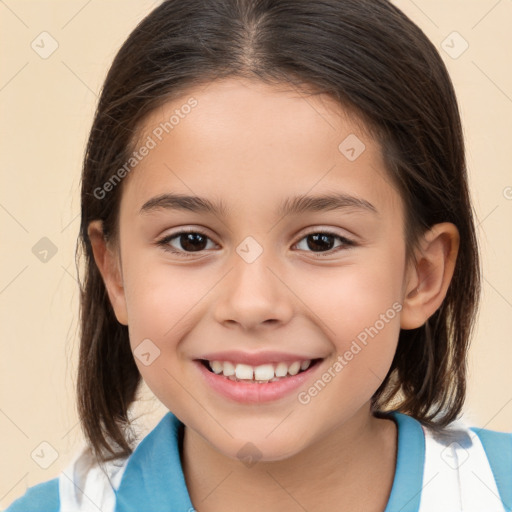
{"x":373,"y":60}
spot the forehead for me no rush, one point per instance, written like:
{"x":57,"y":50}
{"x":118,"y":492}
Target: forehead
{"x":243,"y":139}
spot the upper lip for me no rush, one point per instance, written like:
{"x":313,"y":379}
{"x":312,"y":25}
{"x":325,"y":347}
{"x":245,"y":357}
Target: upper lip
{"x":256,"y":358}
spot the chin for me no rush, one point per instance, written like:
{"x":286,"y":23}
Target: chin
{"x":251,"y":450}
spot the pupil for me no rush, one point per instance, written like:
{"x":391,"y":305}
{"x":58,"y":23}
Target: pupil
{"x":196,"y":242}
{"x":320,"y":241}
{"x":189,"y":241}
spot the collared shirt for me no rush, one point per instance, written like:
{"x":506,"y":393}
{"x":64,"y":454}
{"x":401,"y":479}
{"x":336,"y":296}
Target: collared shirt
{"x":464,"y":469}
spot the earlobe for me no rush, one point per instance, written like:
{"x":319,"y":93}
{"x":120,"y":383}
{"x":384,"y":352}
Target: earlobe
{"x":108,"y":263}
{"x":428,"y":281}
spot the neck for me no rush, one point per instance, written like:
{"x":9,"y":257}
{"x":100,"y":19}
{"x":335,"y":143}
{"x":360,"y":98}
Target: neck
{"x":350,"y":468}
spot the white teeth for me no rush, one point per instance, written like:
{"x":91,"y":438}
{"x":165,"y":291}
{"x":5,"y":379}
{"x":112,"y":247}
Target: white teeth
{"x":229,"y":369}
{"x":262,"y":373}
{"x":216,"y":366}
{"x":294,"y":368}
{"x":305,"y":365}
{"x":244,"y":372}
{"x":281,"y":370}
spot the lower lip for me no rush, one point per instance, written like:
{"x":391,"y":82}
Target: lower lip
{"x":252,"y":392}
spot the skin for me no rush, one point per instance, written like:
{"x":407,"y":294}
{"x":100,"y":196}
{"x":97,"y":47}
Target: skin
{"x":253,"y":145}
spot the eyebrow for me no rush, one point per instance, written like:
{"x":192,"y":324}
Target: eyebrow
{"x":292,"y":205}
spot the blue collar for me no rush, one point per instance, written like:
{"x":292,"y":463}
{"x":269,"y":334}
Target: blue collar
{"x":410,"y":461}
{"x":153,"y":478}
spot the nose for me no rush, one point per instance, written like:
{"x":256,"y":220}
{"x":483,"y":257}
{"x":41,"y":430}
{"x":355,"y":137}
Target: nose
{"x":253,"y":296}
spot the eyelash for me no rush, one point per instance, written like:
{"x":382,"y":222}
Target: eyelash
{"x":164,"y":242}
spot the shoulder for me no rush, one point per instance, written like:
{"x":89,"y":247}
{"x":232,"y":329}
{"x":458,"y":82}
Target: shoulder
{"x":86,"y":485}
{"x":498,"y":449}
{"x":477,"y":462}
{"x":458,"y":467}
{"x":43,"y":497}
{"x":82,"y":485}
{"x":459,"y":436}
{"x":497,"y":444}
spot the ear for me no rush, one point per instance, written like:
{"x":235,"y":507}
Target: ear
{"x":430,"y":275}
{"x":109,"y":265}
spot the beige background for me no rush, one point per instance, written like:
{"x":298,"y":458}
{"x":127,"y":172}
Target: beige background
{"x":46,"y":110}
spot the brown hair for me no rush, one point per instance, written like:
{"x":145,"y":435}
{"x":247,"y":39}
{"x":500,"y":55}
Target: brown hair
{"x":368,"y":56}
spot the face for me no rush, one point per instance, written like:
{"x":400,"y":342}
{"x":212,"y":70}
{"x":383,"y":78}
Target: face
{"x":253,"y":286}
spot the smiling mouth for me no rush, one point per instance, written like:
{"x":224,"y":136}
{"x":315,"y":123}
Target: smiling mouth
{"x":262,"y":374}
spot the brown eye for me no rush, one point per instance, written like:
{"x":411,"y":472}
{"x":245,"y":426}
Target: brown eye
{"x":192,"y":241}
{"x":185,"y":243}
{"x":324,"y":242}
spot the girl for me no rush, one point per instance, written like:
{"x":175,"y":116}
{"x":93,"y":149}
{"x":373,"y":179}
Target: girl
{"x":278,"y":238}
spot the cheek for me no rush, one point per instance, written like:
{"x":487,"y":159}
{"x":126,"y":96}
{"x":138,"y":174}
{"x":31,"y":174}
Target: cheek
{"x":359,"y":306}
{"x":161,"y":300}
{"x":160,"y":297}
{"x":349,"y":298}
